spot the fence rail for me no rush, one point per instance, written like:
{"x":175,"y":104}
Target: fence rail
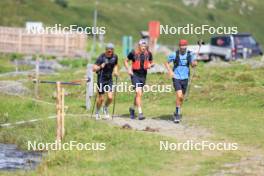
{"x":19,"y":40}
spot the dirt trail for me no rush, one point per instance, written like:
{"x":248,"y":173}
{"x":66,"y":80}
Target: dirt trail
{"x":166,"y":128}
{"x":251,"y":163}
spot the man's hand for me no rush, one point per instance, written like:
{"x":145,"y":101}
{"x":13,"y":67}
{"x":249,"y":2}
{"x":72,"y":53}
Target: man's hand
{"x":130,"y":72}
{"x":171,"y":74}
{"x":116,"y":74}
{"x":194,"y":64}
{"x":151,"y":65}
{"x":102,"y":65}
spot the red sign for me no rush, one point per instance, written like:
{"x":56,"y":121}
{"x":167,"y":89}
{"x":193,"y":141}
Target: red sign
{"x":154,"y":29}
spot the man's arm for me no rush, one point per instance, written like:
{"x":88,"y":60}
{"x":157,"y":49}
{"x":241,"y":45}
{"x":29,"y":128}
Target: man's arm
{"x":115,"y":72}
{"x":98,"y":65}
{"x":170,"y":59}
{"x":170,"y":72}
{"x":151,"y":61}
{"x":96,"y":68}
{"x":128,"y":68}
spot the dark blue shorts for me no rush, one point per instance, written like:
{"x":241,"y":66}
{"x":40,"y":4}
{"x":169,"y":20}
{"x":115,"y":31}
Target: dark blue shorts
{"x":105,"y":86}
{"x":138,"y":81}
{"x":180,"y":84}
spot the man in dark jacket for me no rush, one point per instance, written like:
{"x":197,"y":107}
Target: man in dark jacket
{"x":106,"y":65}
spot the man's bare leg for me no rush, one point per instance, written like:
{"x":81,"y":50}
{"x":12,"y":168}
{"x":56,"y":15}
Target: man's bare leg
{"x":138,"y":99}
{"x":99,"y":103}
{"x":109,"y":99}
{"x":107,"y":103}
{"x":138,"y":103}
{"x":179,"y":101}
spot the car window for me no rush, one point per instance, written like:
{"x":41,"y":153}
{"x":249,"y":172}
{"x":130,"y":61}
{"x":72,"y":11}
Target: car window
{"x":221,"y":41}
{"x":242,"y":40}
{"x":252,"y":41}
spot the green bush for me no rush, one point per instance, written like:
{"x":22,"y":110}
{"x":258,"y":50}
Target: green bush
{"x":16,"y":56}
{"x":62,"y":3}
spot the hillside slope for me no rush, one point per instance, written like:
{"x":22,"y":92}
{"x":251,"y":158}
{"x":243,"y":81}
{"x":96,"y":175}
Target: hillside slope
{"x":128,"y":17}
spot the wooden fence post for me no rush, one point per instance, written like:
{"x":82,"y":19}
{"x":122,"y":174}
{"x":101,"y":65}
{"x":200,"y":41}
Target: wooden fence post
{"x":62,"y":113}
{"x":58,"y":109}
{"x":37,"y":78}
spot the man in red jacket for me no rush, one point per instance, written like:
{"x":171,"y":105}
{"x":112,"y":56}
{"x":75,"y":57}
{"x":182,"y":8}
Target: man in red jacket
{"x":142,"y":60}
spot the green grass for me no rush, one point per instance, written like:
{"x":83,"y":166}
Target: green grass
{"x":76,"y":63}
{"x":6,"y":66}
{"x":229,"y":103}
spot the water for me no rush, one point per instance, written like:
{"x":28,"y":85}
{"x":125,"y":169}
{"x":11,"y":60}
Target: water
{"x":12,"y":159}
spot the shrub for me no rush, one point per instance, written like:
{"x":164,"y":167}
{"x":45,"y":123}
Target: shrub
{"x":62,"y":3}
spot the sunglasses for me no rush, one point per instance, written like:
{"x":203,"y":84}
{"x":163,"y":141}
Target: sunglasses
{"x":109,"y":50}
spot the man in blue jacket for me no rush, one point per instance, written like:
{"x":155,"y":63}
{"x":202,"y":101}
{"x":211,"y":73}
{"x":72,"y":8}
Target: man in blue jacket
{"x":182,"y":59}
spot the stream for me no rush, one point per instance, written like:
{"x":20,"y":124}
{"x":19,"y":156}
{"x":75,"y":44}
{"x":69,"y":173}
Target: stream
{"x":12,"y":158}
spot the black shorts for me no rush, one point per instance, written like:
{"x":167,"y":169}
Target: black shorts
{"x":105,"y":86}
{"x":138,"y":81}
{"x":180,"y":84}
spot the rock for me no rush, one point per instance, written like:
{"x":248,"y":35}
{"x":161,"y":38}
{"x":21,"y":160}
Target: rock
{"x":13,"y":88}
{"x":149,"y":129}
{"x":126,"y":126}
{"x":44,"y":65}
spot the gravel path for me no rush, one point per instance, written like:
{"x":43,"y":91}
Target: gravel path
{"x":164,"y":127}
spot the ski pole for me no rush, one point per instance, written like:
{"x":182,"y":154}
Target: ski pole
{"x":200,"y":43}
{"x":116,"y":78}
{"x":94,"y":105}
{"x":100,"y":78}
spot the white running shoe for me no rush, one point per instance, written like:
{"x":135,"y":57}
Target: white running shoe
{"x":97,"y":116}
{"x":106,"y":113}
